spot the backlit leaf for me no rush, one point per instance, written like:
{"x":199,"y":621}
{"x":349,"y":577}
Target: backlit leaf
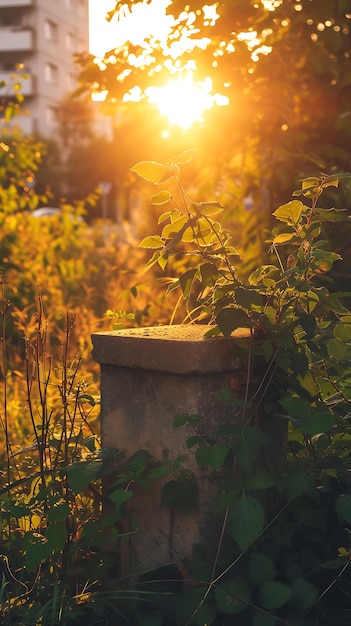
{"x":210,"y":208}
{"x":262,"y":272}
{"x":161,"y":198}
{"x":282,"y":238}
{"x":151,"y":171}
{"x":290,"y":212}
{"x":153,"y":241}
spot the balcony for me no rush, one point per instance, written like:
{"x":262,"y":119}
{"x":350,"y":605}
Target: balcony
{"x":13,"y":39}
{"x":12,"y":80}
{"x":5,"y":4}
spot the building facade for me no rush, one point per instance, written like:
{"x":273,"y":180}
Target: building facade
{"x":38,"y":39}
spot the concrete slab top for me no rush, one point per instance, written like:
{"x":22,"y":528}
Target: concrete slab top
{"x":178,"y":349}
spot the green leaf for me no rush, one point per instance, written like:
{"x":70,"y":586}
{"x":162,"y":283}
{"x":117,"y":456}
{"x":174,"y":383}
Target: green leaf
{"x":161,"y":197}
{"x":58,"y":513}
{"x":263,"y":619}
{"x":181,"y":420}
{"x":193,"y":441}
{"x":229,"y":319}
{"x":119,"y":497}
{"x":296,"y":407}
{"x":37,"y":549}
{"x":317,"y":423}
{"x":297,"y":484}
{"x":186,"y":282}
{"x":259,"y":480}
{"x":248,"y":298}
{"x":274,"y":594}
{"x":246,"y":520}
{"x":337,"y":177}
{"x":153,"y":241}
{"x":304,"y":594}
{"x":190,"y":604}
{"x":232,"y":597}
{"x":245,"y":447}
{"x":309,"y":324}
{"x":343,"y":332}
{"x":209,"y":274}
{"x":339,"y":350}
{"x":205,"y":614}
{"x":343,"y":508}
{"x":80,"y":474}
{"x":151,"y":171}
{"x":330,"y":215}
{"x":56,"y":535}
{"x":212,"y":456}
{"x":261,"y":568}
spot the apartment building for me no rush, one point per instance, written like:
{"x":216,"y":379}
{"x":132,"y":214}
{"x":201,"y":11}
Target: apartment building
{"x":38,"y":38}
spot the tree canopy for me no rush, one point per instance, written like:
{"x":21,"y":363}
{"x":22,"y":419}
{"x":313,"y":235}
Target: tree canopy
{"x":283,"y":64}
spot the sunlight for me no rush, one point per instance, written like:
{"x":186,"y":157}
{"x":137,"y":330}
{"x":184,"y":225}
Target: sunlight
{"x":183,"y":101}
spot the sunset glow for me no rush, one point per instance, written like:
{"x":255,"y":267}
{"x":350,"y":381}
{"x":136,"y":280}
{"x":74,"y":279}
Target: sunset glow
{"x":182,"y":100}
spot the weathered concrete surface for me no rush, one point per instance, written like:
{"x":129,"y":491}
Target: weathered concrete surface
{"x":177,"y":349}
{"x":148,"y":376}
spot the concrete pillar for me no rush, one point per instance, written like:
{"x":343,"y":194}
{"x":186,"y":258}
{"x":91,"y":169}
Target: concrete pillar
{"x":148,"y":376}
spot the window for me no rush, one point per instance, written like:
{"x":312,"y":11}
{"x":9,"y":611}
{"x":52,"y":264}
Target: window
{"x":71,"y":43}
{"x":72,"y":82}
{"x":51,"y":73}
{"x":51,"y":30}
{"x":82,"y":7}
{"x":50,"y":116}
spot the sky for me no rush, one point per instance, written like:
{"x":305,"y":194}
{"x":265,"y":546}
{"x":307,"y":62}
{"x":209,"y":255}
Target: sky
{"x":100,"y":32}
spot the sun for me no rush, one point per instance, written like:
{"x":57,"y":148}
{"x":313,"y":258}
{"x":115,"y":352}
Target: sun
{"x":183,"y":101}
